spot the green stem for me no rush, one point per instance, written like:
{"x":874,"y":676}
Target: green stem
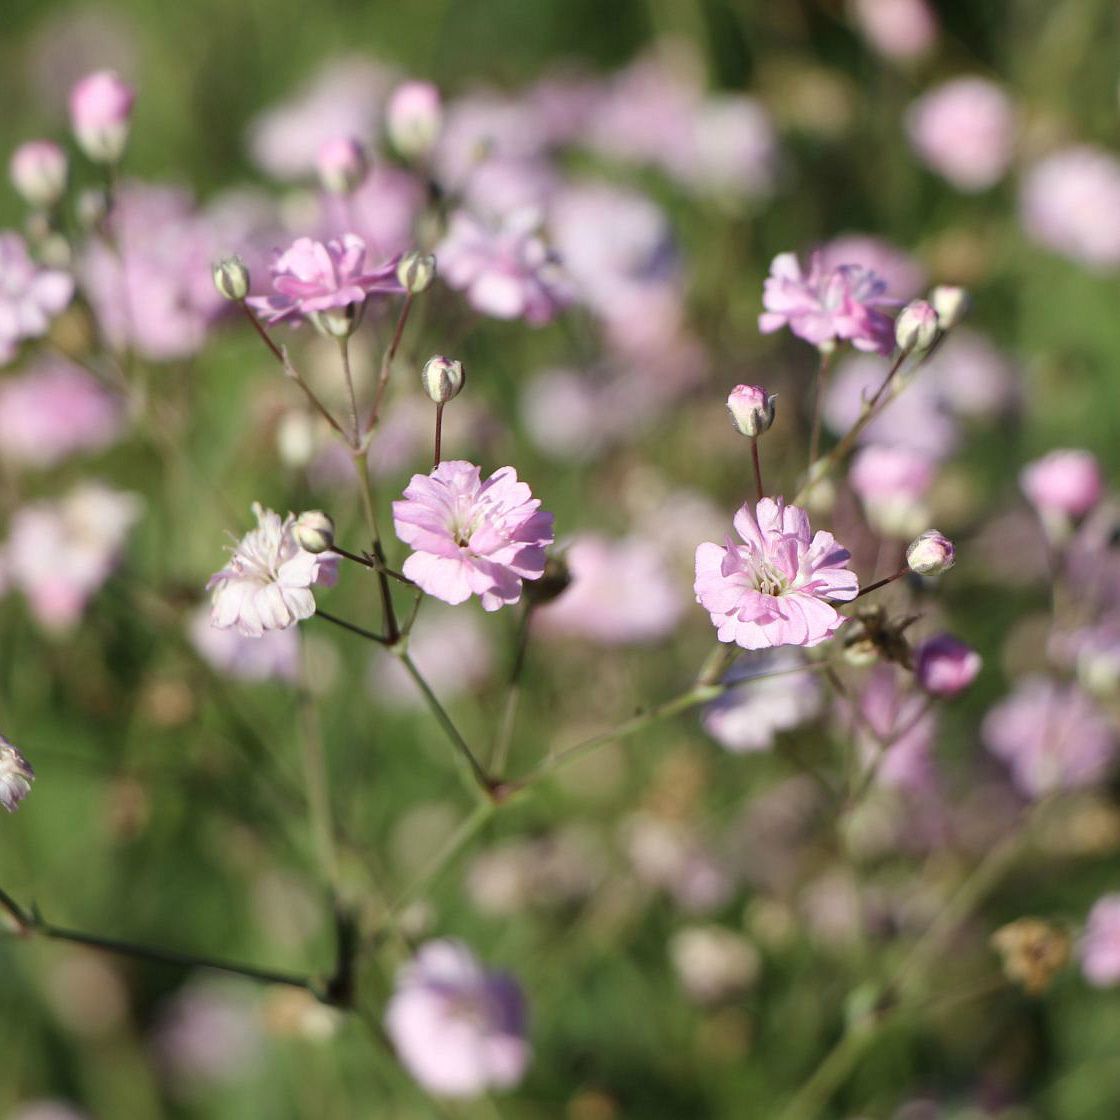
{"x":369,"y":635}
{"x":355,"y":423}
{"x":365,"y":485}
{"x":502,"y":742}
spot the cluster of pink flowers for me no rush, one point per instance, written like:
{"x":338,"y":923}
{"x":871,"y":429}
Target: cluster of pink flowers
{"x":30,"y":295}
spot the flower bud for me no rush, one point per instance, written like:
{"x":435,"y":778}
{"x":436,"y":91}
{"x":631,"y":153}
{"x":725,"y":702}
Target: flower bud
{"x":338,"y":322}
{"x":930,"y":554}
{"x":443,"y":378}
{"x":944,"y":665}
{"x":950,"y":303}
{"x":414,"y":118}
{"x":1065,"y":483}
{"x":100,"y":111}
{"x":16,"y":776}
{"x":751,"y":408}
{"x":231,"y":278}
{"x":341,"y":164}
{"x":38,"y":172}
{"x":416,"y":271}
{"x":314,"y":531}
{"x":916,"y":326}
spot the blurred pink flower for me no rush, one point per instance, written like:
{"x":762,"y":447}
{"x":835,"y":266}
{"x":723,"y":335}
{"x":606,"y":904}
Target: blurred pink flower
{"x":964,"y":130}
{"x":341,"y":164}
{"x":775,"y":589}
{"x":970,"y":376}
{"x":1100,"y":943}
{"x":414,"y":118}
{"x":1052,"y":736}
{"x":100,"y":111}
{"x":903,"y":275}
{"x":621,"y":593}
{"x":1066,"y":482}
{"x":1070,"y":202}
{"x":29,"y":295}
{"x":505,"y":268}
{"x":382,"y":210}
{"x":310,"y":277}
{"x":826,"y":305}
{"x":892,"y":482}
{"x":944,"y":665}
{"x":899,"y":29}
{"x":472,"y":537}
{"x":38,"y":172}
{"x":459,"y":1030}
{"x":16,"y":776}
{"x":60,"y":552}
{"x":272,"y":656}
{"x":266,"y":585}
{"x":668,"y":856}
{"x":54,"y":410}
{"x":734,"y":149}
{"x":768,"y":695}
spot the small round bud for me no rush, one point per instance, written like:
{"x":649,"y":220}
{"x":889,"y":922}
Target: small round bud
{"x":100,"y":111}
{"x":16,"y":776}
{"x":338,"y":322}
{"x":231,"y":278}
{"x":443,"y":378}
{"x":414,"y":118}
{"x":416,"y":271}
{"x":38,"y":172}
{"x":930,"y":554}
{"x":314,"y":531}
{"x":950,"y":303}
{"x":944,"y":665}
{"x":341,"y":164}
{"x":916,"y":326}
{"x":751,"y":408}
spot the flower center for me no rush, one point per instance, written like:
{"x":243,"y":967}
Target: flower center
{"x":768,"y":580}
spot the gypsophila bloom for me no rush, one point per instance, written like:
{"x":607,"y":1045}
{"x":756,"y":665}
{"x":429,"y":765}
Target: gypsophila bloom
{"x":267,"y":583}
{"x":29,"y":295}
{"x":944,"y":665}
{"x":930,"y":554}
{"x":827,"y":304}
{"x":892,"y":483}
{"x":414,"y":118}
{"x":312,"y":277}
{"x":916,"y":326}
{"x":100,"y":111}
{"x":38,"y":172}
{"x":472,"y":537}
{"x":459,"y":1030}
{"x":774,"y":589}
{"x":1052,"y":736}
{"x":341,"y":164}
{"x":1100,"y":943}
{"x":1065,"y":483}
{"x":16,"y":776}
{"x":751,"y":408}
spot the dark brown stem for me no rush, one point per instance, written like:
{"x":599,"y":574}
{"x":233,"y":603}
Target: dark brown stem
{"x":757,"y":469}
{"x":277,"y":353}
{"x":439,"y":434}
{"x":878,"y":583}
{"x":369,"y":635}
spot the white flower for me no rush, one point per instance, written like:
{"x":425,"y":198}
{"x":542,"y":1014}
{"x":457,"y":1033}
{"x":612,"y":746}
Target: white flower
{"x":267,"y":583}
{"x":16,"y":776}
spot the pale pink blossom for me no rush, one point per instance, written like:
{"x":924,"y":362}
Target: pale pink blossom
{"x":60,"y":552}
{"x":16,"y":776}
{"x":899,"y":29}
{"x":38,"y":172}
{"x":969,"y":375}
{"x":1068,"y":483}
{"x":382,"y":210}
{"x":1070,"y":202}
{"x":30,"y":296}
{"x":669,"y":856}
{"x":472,"y":537}
{"x":904,"y":276}
{"x":459,"y":1030}
{"x":100,"y":111}
{"x":274,"y":655}
{"x":311,"y":277}
{"x":713,"y":963}
{"x":735,"y":149}
{"x":341,"y":164}
{"x":945,"y":666}
{"x":414,"y":117}
{"x":55,"y":410}
{"x":775,"y":588}
{"x":825,"y":305}
{"x":621,"y":593}
{"x":505,"y":268}
{"x":964,"y":130}
{"x":266,"y":585}
{"x":770,"y":692}
{"x":893,"y":482}
{"x":1052,"y":736}
{"x":1100,"y":943}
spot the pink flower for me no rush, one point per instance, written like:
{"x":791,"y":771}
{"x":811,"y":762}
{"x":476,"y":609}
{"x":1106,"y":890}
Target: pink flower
{"x":472,"y":537}
{"x":311,"y":277}
{"x":382,"y":210}
{"x":1100,"y":943}
{"x":505,"y":268}
{"x":38,"y":172}
{"x":900,"y":29}
{"x":16,"y":776}
{"x":459,"y":1030}
{"x":1070,"y":203}
{"x":964,"y":130}
{"x":100,"y":110}
{"x":1067,"y":483}
{"x":341,"y":164}
{"x":414,"y":117}
{"x":892,"y":483}
{"x":735,"y":148}
{"x":904,"y":276}
{"x":944,"y":665}
{"x":774,"y":589}
{"x":272,"y":656}
{"x":267,"y":583}
{"x":827,"y":304}
{"x":29,"y":295}
{"x":53,"y":411}
{"x":1052,"y":736}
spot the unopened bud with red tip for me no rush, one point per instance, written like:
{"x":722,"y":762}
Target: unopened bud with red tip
{"x":916,"y":326}
{"x":231,"y":278}
{"x":751,"y":408}
{"x":38,"y":172}
{"x":443,"y":378}
{"x":930,"y":554}
{"x":414,"y":118}
{"x":950,"y":303}
{"x":100,"y":112}
{"x":341,"y":164}
{"x":416,"y":271}
{"x":314,"y":531}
